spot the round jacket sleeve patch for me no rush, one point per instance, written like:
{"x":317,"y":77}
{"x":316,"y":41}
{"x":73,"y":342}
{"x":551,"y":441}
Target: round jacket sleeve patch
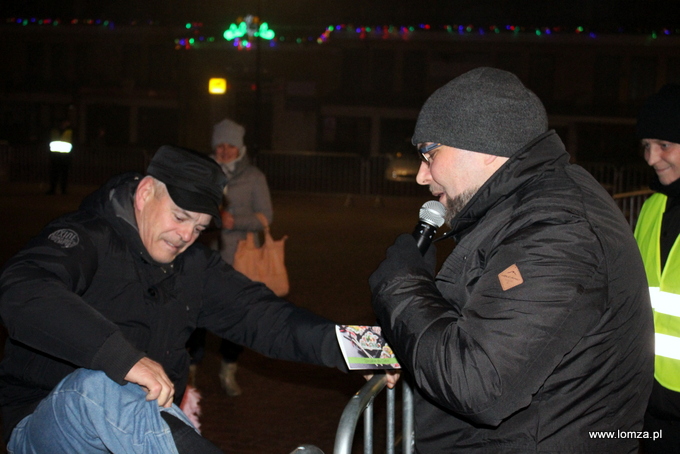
{"x":66,"y":238}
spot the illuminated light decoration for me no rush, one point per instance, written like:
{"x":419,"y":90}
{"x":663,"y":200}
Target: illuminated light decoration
{"x":384,"y":32}
{"x":248,"y":28}
{"x":235,"y":31}
{"x":217,"y":86}
{"x":325,"y":35}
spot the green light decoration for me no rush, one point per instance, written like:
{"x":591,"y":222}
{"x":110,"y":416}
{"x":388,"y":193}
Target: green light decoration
{"x":235,"y":31}
{"x":265,"y":32}
{"x":249,"y":27}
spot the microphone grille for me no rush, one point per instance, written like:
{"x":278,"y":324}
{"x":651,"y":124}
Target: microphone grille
{"x":433,"y":213}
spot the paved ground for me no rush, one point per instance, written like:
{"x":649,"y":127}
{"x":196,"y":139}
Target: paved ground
{"x":334,"y":244}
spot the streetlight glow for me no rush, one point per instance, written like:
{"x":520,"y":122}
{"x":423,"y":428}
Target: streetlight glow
{"x":217,"y":86}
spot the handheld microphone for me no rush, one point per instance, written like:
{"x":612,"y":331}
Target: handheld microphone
{"x":431,"y":218}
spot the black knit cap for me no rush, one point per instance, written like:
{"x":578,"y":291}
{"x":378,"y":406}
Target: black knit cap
{"x":659,"y":117}
{"x":486,"y":110}
{"x":194,"y":181}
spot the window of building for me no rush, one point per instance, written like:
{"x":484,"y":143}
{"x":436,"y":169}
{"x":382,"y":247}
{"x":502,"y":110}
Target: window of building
{"x":157,"y":126}
{"x":414,"y":75}
{"x":114,"y":119}
{"x":445,"y":65}
{"x":607,"y":79}
{"x":132,"y":67}
{"x":355,"y":66}
{"x":60,"y":63}
{"x":346,"y":134}
{"x":382,"y":72}
{"x":83,"y":66}
{"x":642,"y":78}
{"x":512,"y":62}
{"x":162,"y":61}
{"x":542,"y":75}
{"x":35,"y":63}
{"x":395,"y":136}
{"x":673,"y":70}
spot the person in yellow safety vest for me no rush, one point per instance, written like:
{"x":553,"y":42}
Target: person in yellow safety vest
{"x":61,"y":144}
{"x":657,"y":233}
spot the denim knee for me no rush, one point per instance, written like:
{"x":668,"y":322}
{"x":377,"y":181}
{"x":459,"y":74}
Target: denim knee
{"x":87,"y":381}
{"x":89,"y":412}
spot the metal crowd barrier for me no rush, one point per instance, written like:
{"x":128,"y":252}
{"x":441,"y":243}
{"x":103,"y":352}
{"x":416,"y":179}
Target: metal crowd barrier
{"x":362,"y":403}
{"x":320,"y":172}
{"x":619,"y":178}
{"x":630,"y":203}
{"x":30,"y":163}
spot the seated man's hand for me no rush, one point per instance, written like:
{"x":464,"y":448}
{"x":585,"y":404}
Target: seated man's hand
{"x":392,"y":377}
{"x":150,"y":375}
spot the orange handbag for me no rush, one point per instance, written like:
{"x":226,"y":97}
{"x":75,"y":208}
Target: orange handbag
{"x":264,"y":264}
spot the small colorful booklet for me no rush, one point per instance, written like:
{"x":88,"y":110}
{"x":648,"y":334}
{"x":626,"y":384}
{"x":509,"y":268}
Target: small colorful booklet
{"x":364,"y":347}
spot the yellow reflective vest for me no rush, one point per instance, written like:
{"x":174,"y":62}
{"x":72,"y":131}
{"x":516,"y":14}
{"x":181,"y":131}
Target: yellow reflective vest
{"x":664,"y":289}
{"x":62,"y":141}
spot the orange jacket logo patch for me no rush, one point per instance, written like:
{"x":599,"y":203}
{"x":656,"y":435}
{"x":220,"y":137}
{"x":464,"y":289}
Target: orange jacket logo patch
{"x":510,"y":277}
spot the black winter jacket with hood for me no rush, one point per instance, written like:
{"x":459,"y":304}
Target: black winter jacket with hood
{"x":538,"y":328}
{"x":86,"y":293}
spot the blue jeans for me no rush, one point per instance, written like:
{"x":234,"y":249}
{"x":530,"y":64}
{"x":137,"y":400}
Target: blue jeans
{"x":89,"y":413}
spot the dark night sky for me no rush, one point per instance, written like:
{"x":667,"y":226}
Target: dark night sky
{"x":612,"y":14}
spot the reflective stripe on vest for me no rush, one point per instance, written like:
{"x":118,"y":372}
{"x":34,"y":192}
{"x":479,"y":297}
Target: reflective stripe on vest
{"x":664,"y":291}
{"x":667,"y":346}
{"x":58,"y":146}
{"x":665,"y":302}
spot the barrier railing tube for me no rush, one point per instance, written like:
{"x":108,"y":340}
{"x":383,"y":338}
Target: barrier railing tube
{"x":358,"y":405}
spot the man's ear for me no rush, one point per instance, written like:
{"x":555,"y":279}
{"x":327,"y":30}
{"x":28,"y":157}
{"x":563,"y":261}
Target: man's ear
{"x":489,"y":158}
{"x":145,"y":190}
{"x":493,"y":160}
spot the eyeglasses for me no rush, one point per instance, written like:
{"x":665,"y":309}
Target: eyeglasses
{"x":425,"y":150}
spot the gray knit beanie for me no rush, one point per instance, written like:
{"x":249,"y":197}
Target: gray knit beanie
{"x":486,"y":110}
{"x":229,"y":132}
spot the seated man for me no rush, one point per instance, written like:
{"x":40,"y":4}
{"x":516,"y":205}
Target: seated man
{"x":100,"y":304}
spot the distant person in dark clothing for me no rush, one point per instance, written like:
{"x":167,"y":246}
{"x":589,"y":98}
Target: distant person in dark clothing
{"x":61,"y":145}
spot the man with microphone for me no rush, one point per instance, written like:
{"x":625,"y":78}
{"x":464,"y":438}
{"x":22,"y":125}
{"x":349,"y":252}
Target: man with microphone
{"x":536,"y":333}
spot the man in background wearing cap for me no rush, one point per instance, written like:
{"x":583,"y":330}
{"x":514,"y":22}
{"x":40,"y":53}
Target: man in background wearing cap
{"x":536,"y":332}
{"x":100,"y":304}
{"x":656,"y":232}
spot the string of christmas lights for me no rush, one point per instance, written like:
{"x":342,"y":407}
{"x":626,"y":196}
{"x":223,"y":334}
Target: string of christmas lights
{"x":245,"y":41}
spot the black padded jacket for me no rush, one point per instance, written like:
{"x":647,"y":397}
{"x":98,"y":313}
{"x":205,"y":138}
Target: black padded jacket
{"x":537,"y":330}
{"x":86,"y":293}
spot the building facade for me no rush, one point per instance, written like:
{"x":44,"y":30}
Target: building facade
{"x":343,"y":89}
